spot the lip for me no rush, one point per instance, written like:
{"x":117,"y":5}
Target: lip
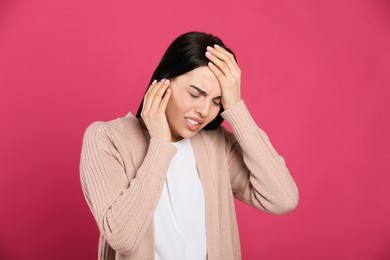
{"x":194,"y":128}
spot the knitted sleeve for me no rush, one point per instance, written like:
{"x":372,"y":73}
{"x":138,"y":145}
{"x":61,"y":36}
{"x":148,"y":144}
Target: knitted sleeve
{"x":123,"y":209}
{"x":258,"y":174}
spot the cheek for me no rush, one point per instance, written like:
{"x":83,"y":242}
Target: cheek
{"x":171,"y":107}
{"x":183,"y":102}
{"x":176,"y":104}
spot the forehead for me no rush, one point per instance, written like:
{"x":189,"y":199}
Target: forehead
{"x":201,"y":77}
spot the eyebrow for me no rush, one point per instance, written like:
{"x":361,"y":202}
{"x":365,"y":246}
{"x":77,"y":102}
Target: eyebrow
{"x":202,"y":92}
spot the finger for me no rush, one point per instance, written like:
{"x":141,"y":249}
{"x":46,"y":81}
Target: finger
{"x":164,"y":101}
{"x":216,"y":72}
{"x":158,"y":96}
{"x":227,"y":56}
{"x":219,"y":53}
{"x":218,"y":62}
{"x":147,"y":91}
{"x":154,"y":87}
{"x":155,"y":84}
{"x":145,"y":95}
{"x":148,"y":98}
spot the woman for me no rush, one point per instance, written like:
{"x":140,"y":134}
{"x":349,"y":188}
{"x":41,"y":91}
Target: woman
{"x":160,"y":185}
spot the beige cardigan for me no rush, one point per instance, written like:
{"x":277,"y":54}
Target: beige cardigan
{"x":122,"y":173}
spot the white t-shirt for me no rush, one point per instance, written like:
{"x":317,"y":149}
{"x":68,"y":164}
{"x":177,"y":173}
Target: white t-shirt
{"x":179,"y":218}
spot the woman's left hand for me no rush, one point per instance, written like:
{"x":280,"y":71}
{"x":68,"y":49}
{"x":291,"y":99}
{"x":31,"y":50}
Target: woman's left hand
{"x":225,"y":68}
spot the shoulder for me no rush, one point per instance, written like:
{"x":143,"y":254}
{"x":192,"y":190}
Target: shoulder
{"x":121,"y":127}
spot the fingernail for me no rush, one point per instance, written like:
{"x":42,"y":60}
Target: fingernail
{"x":162,"y":80}
{"x":208,"y":53}
{"x":217,"y":46}
{"x":166,"y":81}
{"x":211,"y":64}
{"x":154,"y":81}
{"x":209,"y":48}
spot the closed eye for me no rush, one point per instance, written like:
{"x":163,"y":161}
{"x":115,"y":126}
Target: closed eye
{"x":217,"y":103}
{"x":194,"y":96}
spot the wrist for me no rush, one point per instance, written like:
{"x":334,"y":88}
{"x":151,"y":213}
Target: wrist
{"x":226,"y":105}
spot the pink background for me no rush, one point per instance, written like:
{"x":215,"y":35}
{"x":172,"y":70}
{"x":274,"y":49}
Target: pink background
{"x":316,"y":78}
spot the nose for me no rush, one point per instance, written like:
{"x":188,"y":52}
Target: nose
{"x":203,"y":108}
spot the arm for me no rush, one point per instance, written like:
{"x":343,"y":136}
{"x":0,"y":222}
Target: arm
{"x":258,"y":174}
{"x":123,"y":210}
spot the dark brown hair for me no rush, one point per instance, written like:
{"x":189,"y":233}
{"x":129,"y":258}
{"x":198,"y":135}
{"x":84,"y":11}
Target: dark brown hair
{"x":186,"y":53}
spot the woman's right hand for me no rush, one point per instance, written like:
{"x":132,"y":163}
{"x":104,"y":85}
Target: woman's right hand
{"x":153,"y":109}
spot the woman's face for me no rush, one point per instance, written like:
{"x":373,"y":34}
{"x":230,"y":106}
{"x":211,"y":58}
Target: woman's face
{"x":195,"y":101}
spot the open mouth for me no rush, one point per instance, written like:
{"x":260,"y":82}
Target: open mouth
{"x":192,"y":122}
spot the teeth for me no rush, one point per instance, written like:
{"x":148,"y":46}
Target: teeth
{"x":192,"y":122}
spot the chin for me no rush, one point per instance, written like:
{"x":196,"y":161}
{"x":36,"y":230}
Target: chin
{"x":188,"y":134}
